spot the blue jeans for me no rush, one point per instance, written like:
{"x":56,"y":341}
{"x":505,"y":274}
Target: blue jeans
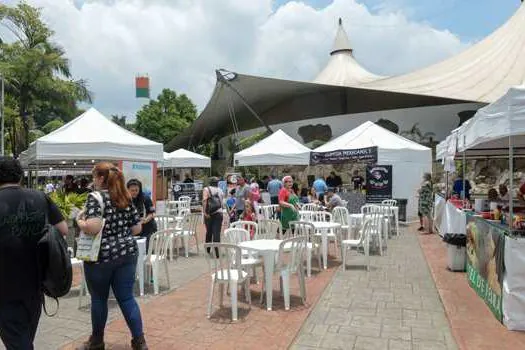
{"x":120,"y":275}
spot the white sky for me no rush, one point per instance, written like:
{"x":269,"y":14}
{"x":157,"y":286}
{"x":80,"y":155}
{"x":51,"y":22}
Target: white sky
{"x":179,"y":43}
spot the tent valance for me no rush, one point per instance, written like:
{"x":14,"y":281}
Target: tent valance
{"x":276,"y":149}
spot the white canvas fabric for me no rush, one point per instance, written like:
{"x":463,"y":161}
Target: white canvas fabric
{"x":409,"y":159}
{"x":492,"y":125}
{"x":92,"y":136}
{"x":182,"y":158}
{"x":276,"y":149}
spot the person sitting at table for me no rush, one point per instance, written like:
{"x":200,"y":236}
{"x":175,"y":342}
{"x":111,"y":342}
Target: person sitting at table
{"x":333,"y":200}
{"x":304,"y":198}
{"x":145,"y":209}
{"x":503,"y":193}
{"x":312,"y":196}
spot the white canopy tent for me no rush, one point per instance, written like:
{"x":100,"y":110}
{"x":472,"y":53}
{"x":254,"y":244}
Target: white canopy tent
{"x":91,"y":136}
{"x":182,"y":158}
{"x":276,"y":149}
{"x":409,"y":159}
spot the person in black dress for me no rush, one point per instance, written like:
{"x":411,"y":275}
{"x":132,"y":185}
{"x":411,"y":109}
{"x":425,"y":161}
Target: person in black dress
{"x":145,"y":209}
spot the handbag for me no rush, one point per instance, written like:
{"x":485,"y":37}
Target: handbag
{"x":88,"y":246}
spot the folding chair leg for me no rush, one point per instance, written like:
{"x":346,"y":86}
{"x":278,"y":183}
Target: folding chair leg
{"x":233,"y":292}
{"x":167,"y":273}
{"x":308,"y":262}
{"x":285,"y":278}
{"x":210,"y":299}
{"x":343,"y":256}
{"x":185,"y":241}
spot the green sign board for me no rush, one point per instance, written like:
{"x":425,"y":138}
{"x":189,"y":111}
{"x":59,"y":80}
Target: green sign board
{"x":485,"y":268}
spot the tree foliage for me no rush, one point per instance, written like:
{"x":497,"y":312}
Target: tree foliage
{"x":164,"y":118}
{"x":38,"y":81}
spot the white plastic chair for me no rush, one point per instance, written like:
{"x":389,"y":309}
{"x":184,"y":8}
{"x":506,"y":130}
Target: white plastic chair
{"x":290,"y":260}
{"x":392,"y":215}
{"x":306,"y":229}
{"x":190,"y":224}
{"x":374,"y":213}
{"x":157,"y":255}
{"x":310,"y":207}
{"x":270,"y":212}
{"x":363,"y":241}
{"x":226,"y":269}
{"x":248,"y":260}
{"x":250,"y":226}
{"x":83,"y":292}
{"x":269,"y":229}
{"x":169,"y":223}
{"x":340,"y":215}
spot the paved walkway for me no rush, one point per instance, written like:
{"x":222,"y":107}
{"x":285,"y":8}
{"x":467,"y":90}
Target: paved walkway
{"x":394,"y":306}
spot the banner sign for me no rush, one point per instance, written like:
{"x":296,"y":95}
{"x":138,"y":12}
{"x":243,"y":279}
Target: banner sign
{"x":192,"y":190}
{"x":378,"y":183}
{"x":485,"y":262}
{"x":145,"y":172}
{"x":365,"y":155}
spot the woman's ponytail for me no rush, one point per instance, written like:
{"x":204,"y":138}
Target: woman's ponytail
{"x":114,"y":180}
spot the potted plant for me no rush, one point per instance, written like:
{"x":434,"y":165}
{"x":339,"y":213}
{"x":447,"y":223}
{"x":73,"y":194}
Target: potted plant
{"x":69,"y":205}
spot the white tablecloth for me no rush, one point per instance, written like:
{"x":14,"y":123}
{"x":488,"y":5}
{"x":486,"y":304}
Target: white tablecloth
{"x":448,"y":218}
{"x":268,"y":249}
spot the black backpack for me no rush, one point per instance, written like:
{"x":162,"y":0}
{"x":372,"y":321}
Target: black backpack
{"x":214,"y":202}
{"x":56,"y":273}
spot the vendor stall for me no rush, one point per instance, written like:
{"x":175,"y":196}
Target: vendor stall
{"x":495,"y":244}
{"x":371,"y":144}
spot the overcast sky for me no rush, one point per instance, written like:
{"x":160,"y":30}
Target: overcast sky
{"x":179,"y":43}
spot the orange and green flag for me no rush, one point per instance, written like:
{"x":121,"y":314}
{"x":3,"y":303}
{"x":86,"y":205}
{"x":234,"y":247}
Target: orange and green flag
{"x":142,"y":87}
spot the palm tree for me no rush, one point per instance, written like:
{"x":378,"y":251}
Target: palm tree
{"x":36,"y":70}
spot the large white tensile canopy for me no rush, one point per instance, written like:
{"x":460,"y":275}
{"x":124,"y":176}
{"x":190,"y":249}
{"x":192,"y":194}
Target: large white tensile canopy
{"x":182,"y":158}
{"x":92,"y":136}
{"x":276,"y":149}
{"x":409,"y":159}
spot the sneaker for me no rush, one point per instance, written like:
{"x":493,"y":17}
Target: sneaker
{"x":421,"y":228}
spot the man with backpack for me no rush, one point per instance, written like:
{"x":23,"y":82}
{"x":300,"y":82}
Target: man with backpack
{"x":212,"y":204}
{"x":24,"y":214}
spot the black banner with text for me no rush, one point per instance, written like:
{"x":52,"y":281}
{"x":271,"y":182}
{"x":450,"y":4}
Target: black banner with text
{"x":378,"y":183}
{"x":365,"y":155}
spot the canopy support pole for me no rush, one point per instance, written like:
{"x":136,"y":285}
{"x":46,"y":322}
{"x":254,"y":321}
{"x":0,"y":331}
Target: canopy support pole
{"x":511,"y":183}
{"x":225,"y":81}
{"x":463,"y":192}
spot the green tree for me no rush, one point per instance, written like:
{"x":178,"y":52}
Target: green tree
{"x":164,"y":118}
{"x":36,"y":72}
{"x":52,"y":125}
{"x":119,"y":120}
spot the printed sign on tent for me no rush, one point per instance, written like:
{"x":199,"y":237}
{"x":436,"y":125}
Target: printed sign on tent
{"x":365,"y":155}
{"x":145,"y":172}
{"x":378,"y":183}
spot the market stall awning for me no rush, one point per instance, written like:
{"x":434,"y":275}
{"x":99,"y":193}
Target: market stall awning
{"x":91,"y":136}
{"x":182,"y":158}
{"x":276,"y":149}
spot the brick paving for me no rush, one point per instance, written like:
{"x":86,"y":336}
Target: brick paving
{"x":394,"y":306}
{"x":473,"y":325}
{"x":178,"y":320}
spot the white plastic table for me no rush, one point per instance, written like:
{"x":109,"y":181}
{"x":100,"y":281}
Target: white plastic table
{"x":141,"y":244}
{"x":267,"y":248}
{"x":325,"y":228}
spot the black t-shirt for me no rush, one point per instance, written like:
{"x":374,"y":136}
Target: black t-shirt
{"x":22,"y":219}
{"x":358,"y":182}
{"x":145,"y":207}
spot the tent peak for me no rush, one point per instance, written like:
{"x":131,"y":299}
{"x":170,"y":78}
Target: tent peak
{"x":341,"y":42}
